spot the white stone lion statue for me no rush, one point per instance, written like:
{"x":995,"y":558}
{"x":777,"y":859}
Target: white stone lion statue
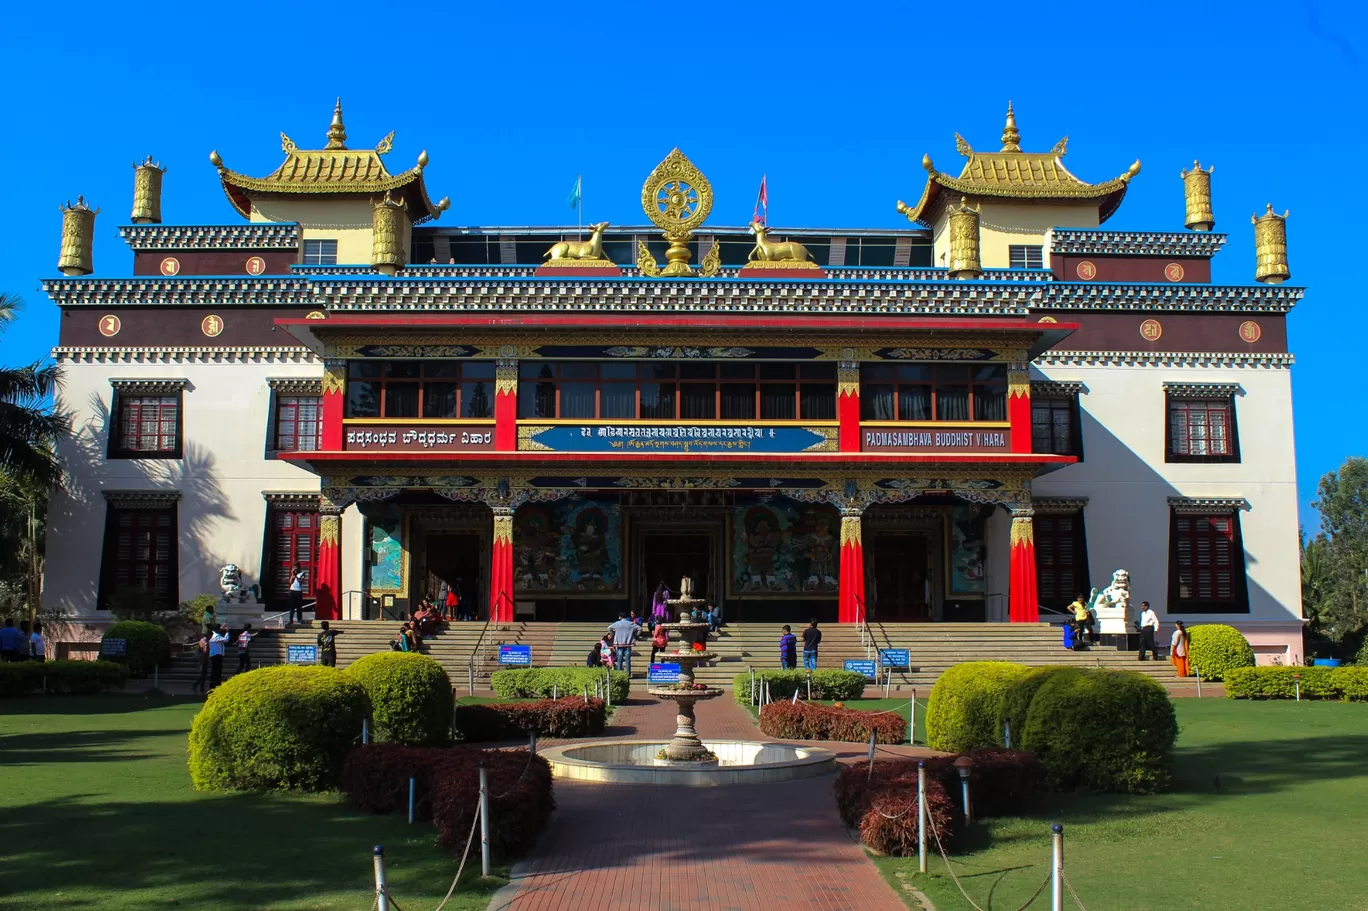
{"x":234,"y":589}
{"x":1113,"y":605}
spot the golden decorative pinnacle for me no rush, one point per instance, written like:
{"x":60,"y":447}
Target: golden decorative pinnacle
{"x":147,"y":182}
{"x":1011,"y":139}
{"x":678,"y":198}
{"x":337,"y":132}
{"x":1197,"y":197}
{"x":1270,"y":247}
{"x":78,"y":237}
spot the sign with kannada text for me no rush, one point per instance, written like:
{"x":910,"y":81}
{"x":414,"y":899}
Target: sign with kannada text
{"x":516,"y":654}
{"x":861,"y":666}
{"x":114,"y":647}
{"x":894,"y":657}
{"x":930,"y":439}
{"x":301,"y":654}
{"x":400,"y":438}
{"x":664,"y":673}
{"x":719,"y":438}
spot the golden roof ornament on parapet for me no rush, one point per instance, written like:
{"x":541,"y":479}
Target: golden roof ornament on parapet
{"x":334,"y":170}
{"x":678,"y":198}
{"x":1010,"y":173}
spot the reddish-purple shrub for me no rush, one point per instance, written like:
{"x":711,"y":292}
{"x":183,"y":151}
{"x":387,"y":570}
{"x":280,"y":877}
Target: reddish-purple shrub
{"x":1001,"y":781}
{"x":883,"y":804}
{"x":805,"y":721}
{"x":569,"y":717}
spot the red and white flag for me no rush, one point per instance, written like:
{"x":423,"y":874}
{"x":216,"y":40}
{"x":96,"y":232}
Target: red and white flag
{"x":762,"y":203}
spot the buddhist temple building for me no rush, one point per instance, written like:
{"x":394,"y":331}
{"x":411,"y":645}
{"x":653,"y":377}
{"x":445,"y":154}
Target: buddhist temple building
{"x":968,"y":418}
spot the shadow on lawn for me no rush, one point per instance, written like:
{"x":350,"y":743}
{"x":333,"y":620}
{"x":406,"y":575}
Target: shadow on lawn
{"x":1262,"y":766}
{"x":237,"y":851}
{"x":77,"y":746}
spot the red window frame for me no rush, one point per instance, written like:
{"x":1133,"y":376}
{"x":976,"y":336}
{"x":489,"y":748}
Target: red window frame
{"x":1061,"y":553}
{"x":294,"y":539}
{"x":299,"y":423}
{"x":890,"y":380}
{"x":149,"y":425}
{"x":1206,"y":563}
{"x":141,"y":553}
{"x":1202,"y":430}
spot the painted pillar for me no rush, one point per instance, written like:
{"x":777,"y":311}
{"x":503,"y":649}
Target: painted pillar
{"x":1019,"y":407}
{"x":848,"y":405}
{"x":506,"y":410}
{"x":334,"y":396}
{"x":1023,"y":604}
{"x":501,"y":567}
{"x":850,"y":604}
{"x":328,"y":564}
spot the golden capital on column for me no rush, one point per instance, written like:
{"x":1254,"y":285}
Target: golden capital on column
{"x":850,"y":528}
{"x":848,"y":378}
{"x":503,"y":524}
{"x":1023,"y":527}
{"x":1018,"y":382}
{"x":334,"y":377}
{"x":506,"y":376}
{"x":1197,"y":198}
{"x":329,"y":528}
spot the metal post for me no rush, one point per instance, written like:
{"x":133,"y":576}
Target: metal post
{"x":381,"y":887}
{"x":912,"y":719}
{"x":532,"y":742}
{"x":1297,"y":684}
{"x":470,"y":668}
{"x":809,"y":699}
{"x":1057,"y":870}
{"x":1007,"y":734}
{"x":921,"y":816}
{"x":484,"y":821}
{"x":1196,"y":670}
{"x":795,"y":695}
{"x":964,"y":793}
{"x":365,"y":731}
{"x":888,"y":680}
{"x":586,"y":695}
{"x":555,"y":691}
{"x":607,"y":692}
{"x":872,"y":735}
{"x":413,"y":787}
{"x":752,"y":691}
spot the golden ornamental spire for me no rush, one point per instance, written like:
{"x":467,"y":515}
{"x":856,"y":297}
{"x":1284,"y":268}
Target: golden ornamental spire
{"x":78,"y":238}
{"x":1270,"y":247}
{"x":147,"y":184}
{"x":1197,"y":196}
{"x":387,"y":234}
{"x":678,"y":198}
{"x":1011,"y":139}
{"x":337,"y":132}
{"x":964,"y":241}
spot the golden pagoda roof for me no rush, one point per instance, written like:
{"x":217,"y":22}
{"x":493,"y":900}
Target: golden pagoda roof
{"x":332,"y":170}
{"x":1010,"y":173}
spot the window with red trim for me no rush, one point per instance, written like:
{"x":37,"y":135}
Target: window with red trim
{"x":1206,"y":564}
{"x":294,"y":539}
{"x":1061,"y":552}
{"x":140,"y":554}
{"x":299,"y":423}
{"x":1202,"y":430}
{"x":148,"y":426}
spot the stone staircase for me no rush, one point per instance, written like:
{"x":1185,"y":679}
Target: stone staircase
{"x":934,"y":647}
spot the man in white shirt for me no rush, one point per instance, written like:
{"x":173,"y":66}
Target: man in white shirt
{"x":216,"y":646}
{"x":37,"y":645}
{"x":1149,"y":631}
{"x":624,"y":636}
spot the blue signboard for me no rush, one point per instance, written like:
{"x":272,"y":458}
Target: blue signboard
{"x":114,"y":647}
{"x":680,"y":438}
{"x":664,"y":673}
{"x":862,"y":667}
{"x":894,"y":657}
{"x":516,"y":654}
{"x":301,"y":654}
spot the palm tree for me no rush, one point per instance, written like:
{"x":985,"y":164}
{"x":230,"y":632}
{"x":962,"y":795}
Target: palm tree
{"x":29,"y":425}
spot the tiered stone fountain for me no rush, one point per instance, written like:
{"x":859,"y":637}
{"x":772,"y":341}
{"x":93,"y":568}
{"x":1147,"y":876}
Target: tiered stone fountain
{"x":689,"y":651}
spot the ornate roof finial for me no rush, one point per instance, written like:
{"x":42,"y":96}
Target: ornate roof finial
{"x":337,"y":133}
{"x":1011,"y":139}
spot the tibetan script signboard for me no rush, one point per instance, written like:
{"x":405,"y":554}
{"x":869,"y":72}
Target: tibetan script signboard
{"x":930,"y":439}
{"x":718,"y":438}
{"x":401,"y":438}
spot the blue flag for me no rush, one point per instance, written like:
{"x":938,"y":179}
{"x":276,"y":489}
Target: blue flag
{"x":574,"y":199}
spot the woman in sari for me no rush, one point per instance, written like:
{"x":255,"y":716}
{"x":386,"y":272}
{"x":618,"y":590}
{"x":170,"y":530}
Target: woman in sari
{"x":660,"y":611}
{"x":1178,"y":649}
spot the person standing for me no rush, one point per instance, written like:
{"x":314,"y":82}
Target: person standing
{"x":624,"y":637}
{"x":297,"y":578}
{"x":660,"y":640}
{"x":13,"y":644}
{"x":788,"y":649}
{"x":217,"y":642}
{"x":660,"y":611}
{"x":812,"y":637}
{"x":37,"y":645}
{"x":208,"y":622}
{"x":244,"y":648}
{"x":1178,"y":649}
{"x":1083,"y":618}
{"x":202,"y":650}
{"x":1149,"y":631}
{"x":327,"y":645}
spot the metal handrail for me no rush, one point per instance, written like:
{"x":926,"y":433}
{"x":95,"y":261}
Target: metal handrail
{"x":481,"y":649}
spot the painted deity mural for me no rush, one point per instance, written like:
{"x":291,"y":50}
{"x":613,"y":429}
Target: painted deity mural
{"x":785,"y":548}
{"x":388,"y":560}
{"x":568,"y":547}
{"x":969,"y":549}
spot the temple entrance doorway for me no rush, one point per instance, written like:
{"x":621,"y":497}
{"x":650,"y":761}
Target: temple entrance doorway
{"x":902,"y":577}
{"x":454,"y":558}
{"x":665,"y":554}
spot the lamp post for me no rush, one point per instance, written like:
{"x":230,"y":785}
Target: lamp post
{"x":964,"y":765}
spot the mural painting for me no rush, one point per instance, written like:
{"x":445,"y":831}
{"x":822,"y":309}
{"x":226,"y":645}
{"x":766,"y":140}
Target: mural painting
{"x":969,"y":549}
{"x":388,"y":560}
{"x":568,"y":547}
{"x":784,"y":548}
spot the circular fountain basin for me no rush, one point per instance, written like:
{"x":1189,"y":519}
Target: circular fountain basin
{"x":738,"y":762}
{"x":664,"y":692}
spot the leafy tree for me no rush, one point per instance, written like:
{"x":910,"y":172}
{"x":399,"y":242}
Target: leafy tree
{"x":29,"y":426}
{"x":1338,"y":567}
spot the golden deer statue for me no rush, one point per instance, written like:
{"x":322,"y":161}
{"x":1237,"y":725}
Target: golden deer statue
{"x":581,"y":249}
{"x":782,"y":251}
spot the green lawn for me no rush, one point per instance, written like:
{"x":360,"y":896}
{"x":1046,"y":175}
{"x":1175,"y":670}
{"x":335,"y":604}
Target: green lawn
{"x":97,"y":812}
{"x":1268,"y":810}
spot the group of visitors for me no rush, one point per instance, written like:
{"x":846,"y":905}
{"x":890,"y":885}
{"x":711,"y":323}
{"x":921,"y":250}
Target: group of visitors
{"x":213,"y":644}
{"x":1081,"y":627}
{"x":451,"y":604}
{"x":22,"y":644}
{"x":788,"y":647}
{"x":409,"y":639}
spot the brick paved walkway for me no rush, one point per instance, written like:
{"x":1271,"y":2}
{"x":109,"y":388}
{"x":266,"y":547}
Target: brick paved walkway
{"x":740,"y":848}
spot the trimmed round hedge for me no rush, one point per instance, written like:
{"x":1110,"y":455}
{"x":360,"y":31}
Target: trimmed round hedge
{"x":1214,"y":648}
{"x":284,"y":727}
{"x":148,"y":646}
{"x":410,"y":697}
{"x":1102,"y":730}
{"x":1016,"y":702}
{"x":966,"y":703}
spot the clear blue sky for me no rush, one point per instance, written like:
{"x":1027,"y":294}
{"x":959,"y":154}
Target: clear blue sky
{"x":837,"y":102}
